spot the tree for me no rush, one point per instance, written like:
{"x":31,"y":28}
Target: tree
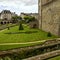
{"x":14,"y":19}
{"x":32,"y":18}
{"x":19,"y":18}
{"x":29,"y":19}
{"x":26,"y":18}
{"x":20,"y":23}
{"x":21,"y":27}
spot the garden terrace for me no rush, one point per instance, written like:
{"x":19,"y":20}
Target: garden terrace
{"x":14,"y":35}
{"x":15,"y":38}
{"x":21,"y":53}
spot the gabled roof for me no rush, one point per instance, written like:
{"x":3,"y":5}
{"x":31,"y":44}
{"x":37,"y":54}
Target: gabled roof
{"x":5,"y":11}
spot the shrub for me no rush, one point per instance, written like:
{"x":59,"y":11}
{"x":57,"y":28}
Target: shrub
{"x":49,"y":34}
{"x":21,"y":27}
{"x":8,"y":28}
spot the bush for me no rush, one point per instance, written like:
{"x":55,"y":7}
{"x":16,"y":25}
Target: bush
{"x":8,"y":28}
{"x":49,"y":34}
{"x":21,"y":27}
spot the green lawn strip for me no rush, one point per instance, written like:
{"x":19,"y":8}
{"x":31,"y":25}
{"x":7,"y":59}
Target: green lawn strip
{"x":8,"y":47}
{"x":27,"y":35}
{"x":22,"y":36}
{"x":55,"y":58}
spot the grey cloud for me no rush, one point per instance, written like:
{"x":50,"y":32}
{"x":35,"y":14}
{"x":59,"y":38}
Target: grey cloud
{"x":25,"y":2}
{"x":30,"y":2}
{"x":19,"y":5}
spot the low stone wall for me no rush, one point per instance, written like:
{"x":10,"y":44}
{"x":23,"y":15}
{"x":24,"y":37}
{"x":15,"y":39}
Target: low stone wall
{"x":6,"y":26}
{"x":45,"y":56}
{"x":26,"y":52}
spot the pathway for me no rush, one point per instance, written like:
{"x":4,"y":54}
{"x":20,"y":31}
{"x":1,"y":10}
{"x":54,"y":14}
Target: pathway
{"x":22,"y":43}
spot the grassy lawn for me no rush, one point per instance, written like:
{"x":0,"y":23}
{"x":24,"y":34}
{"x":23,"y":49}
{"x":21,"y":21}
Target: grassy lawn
{"x":55,"y":58}
{"x":7,"y":47}
{"x":27,"y":35}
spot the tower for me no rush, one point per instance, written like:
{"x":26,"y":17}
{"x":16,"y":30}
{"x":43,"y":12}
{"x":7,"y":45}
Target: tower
{"x":49,"y":16}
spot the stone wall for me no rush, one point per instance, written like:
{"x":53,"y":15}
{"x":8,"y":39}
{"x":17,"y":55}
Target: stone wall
{"x":26,"y":52}
{"x":50,"y":17}
{"x":45,"y":56}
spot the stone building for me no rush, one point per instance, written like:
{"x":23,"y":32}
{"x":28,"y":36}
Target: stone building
{"x":29,"y":14}
{"x":6,"y":15}
{"x":49,"y":16}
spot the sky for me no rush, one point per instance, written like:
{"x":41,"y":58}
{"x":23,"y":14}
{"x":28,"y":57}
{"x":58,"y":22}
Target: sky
{"x":18,"y":6}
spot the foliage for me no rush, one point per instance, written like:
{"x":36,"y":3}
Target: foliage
{"x":19,"y":18}
{"x":32,"y":19}
{"x":29,"y":19}
{"x":21,"y":35}
{"x":49,"y":34}
{"x":16,"y":19}
{"x":21,"y":27}
{"x":26,"y":17}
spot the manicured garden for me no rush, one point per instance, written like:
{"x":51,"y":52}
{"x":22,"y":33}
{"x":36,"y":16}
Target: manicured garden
{"x":14,"y":35}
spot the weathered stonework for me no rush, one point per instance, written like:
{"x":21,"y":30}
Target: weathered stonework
{"x":6,"y":15}
{"x":49,"y":13}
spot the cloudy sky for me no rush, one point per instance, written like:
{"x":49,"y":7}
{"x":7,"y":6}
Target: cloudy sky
{"x":18,"y":6}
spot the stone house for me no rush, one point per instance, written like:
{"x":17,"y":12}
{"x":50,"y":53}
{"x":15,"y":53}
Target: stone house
{"x":49,"y":16}
{"x":6,"y":16}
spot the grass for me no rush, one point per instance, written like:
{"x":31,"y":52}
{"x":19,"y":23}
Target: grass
{"x":22,"y":36}
{"x":27,"y":35}
{"x":7,"y":47}
{"x":55,"y":58}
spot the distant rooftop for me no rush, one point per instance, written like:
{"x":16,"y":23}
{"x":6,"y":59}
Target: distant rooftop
{"x":30,"y":13}
{"x":6,"y":11}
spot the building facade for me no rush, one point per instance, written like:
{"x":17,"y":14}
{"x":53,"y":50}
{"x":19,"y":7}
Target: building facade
{"x":6,"y":15}
{"x":49,"y":16}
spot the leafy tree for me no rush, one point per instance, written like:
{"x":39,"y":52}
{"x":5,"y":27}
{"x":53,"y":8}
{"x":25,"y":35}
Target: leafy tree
{"x":14,"y":19}
{"x":32,"y":18}
{"x":19,"y":18}
{"x":29,"y":19}
{"x":26,"y":17}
